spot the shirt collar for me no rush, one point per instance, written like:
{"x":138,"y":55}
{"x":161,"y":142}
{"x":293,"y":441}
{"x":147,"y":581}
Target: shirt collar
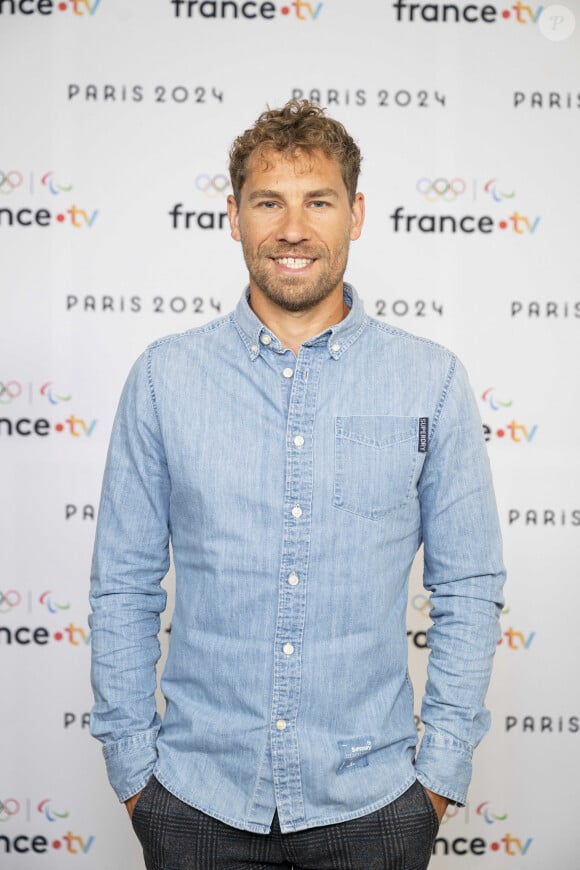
{"x":337,"y":338}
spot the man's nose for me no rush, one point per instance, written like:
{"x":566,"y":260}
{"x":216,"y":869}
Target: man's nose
{"x":293,"y":226}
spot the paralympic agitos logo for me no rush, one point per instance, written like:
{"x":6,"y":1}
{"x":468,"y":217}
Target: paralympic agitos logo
{"x":299,"y":10}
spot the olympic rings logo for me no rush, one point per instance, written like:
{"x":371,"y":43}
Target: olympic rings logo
{"x":8,"y":807}
{"x":10,"y":180}
{"x":9,"y":599}
{"x":215,"y":185}
{"x":8,"y":391}
{"x":441,"y":188}
{"x":422,"y":603}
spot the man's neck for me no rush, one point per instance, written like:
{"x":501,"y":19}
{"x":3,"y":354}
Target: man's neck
{"x":293,"y":328}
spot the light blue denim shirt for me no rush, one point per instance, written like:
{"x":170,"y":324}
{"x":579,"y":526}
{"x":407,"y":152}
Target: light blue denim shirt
{"x":295,"y":493}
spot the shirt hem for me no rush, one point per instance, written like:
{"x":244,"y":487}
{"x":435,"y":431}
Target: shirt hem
{"x":316,"y":822}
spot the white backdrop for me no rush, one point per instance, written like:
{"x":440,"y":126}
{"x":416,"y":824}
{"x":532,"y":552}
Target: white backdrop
{"x":116,"y":120}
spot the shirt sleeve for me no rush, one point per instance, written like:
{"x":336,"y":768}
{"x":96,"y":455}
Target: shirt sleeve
{"x":464,"y":573}
{"x":131,"y":557}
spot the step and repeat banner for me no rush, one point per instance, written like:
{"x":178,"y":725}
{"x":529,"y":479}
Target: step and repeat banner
{"x":116,"y":121}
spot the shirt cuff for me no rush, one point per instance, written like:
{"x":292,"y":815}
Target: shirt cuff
{"x":443,"y":765}
{"x":130,"y":762}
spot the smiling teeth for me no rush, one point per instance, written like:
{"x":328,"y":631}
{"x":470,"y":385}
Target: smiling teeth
{"x":293,"y":262}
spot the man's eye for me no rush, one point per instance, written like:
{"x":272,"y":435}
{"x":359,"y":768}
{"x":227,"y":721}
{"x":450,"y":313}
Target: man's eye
{"x":319,"y":203}
{"x":268,"y":204}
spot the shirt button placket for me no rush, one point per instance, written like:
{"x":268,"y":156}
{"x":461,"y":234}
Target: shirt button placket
{"x":292,"y":590}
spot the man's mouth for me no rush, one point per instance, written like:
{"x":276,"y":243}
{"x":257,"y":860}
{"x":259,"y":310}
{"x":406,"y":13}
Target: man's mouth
{"x":293,"y":262}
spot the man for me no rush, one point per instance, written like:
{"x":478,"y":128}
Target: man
{"x":296,"y":453}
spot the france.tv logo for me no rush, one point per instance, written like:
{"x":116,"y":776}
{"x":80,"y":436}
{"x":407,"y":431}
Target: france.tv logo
{"x":299,"y":10}
{"x":79,"y":218}
{"x":513,"y":638}
{"x":466,"y":13}
{"x":79,"y":8}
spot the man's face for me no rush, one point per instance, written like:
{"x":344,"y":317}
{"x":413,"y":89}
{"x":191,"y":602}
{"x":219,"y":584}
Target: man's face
{"x":295,"y":223}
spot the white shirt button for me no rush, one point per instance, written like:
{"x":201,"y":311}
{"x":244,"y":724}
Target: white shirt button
{"x":288,"y":649}
{"x":293,"y":580}
{"x":335,"y":347}
{"x":254,"y":348}
{"x":299,"y":441}
{"x":281,"y":724}
{"x":297,"y":511}
{"x":265,"y":339}
{"x":288,"y":373}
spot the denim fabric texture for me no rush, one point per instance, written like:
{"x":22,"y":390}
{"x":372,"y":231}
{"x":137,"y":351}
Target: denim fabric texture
{"x":295,"y":493}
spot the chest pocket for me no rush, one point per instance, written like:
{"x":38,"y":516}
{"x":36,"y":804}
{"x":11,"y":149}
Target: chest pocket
{"x":375,"y":463}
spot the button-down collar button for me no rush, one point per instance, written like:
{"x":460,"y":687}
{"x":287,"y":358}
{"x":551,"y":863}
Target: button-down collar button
{"x":254,"y":348}
{"x":299,"y":441}
{"x":297,"y":511}
{"x":288,"y":649}
{"x":281,"y":724}
{"x":288,"y":373}
{"x":293,"y":580}
{"x":335,"y":347}
{"x":265,"y":338}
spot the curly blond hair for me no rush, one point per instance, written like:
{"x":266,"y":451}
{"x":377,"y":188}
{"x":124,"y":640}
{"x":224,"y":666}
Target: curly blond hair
{"x":298,"y":126}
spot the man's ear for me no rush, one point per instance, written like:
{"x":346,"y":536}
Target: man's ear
{"x":358,"y":216}
{"x":234,"y":218}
